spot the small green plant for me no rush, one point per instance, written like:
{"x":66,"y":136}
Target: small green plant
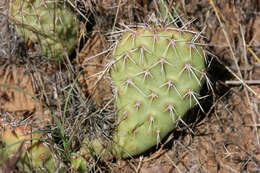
{"x":50,"y":24}
{"x":35,"y":154}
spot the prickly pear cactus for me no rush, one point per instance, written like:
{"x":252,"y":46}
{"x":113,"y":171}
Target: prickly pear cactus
{"x":157,"y":74}
{"x":51,"y":24}
{"x":35,"y":155}
{"x":80,"y":161}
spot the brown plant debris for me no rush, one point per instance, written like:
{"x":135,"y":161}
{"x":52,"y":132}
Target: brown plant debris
{"x":20,"y":100}
{"x":92,"y":62}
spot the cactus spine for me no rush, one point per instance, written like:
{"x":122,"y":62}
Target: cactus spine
{"x":49,"y":23}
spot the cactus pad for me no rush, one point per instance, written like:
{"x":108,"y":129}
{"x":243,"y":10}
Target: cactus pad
{"x":51,"y":24}
{"x":157,"y":74}
{"x":35,"y":154}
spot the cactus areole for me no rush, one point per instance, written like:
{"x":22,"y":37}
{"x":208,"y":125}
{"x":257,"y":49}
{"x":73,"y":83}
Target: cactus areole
{"x":157,"y":74}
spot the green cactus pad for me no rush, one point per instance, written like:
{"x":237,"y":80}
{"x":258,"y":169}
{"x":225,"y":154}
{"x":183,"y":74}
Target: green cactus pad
{"x":51,"y":24}
{"x":157,"y":74}
{"x":35,"y":155}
